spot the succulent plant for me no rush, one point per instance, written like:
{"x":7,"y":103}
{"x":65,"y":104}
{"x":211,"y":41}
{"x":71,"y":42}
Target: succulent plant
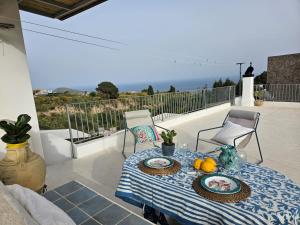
{"x":168,"y":137}
{"x":16,"y":132}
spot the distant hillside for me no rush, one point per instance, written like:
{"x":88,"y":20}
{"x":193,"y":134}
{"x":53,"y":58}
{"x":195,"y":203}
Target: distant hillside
{"x":63,"y":90}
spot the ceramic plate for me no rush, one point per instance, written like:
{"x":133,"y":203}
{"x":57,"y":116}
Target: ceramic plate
{"x":220,"y":184}
{"x":158,"y":162}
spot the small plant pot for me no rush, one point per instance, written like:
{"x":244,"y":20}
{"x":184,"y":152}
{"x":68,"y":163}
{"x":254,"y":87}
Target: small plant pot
{"x":168,"y":150}
{"x":258,"y":102}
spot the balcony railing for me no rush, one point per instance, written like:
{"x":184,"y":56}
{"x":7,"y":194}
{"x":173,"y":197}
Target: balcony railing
{"x":92,"y":120}
{"x":277,"y":92}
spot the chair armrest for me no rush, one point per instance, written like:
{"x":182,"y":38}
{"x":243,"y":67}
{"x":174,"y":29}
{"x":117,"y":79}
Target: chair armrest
{"x":132,"y":133}
{"x":162,"y":127}
{"x":213,"y":128}
{"x":242,"y":136}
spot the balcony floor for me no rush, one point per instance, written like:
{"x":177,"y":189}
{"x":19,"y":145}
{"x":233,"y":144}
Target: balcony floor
{"x":278,"y":131}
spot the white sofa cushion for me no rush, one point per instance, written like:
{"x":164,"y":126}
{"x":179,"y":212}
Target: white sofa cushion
{"x":42,"y":210}
{"x":229,"y":132}
{"x":11,"y":212}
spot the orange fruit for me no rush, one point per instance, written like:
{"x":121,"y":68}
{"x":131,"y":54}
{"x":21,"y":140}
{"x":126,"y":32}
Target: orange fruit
{"x":211,"y":160}
{"x":197,"y":164}
{"x":208,"y":167}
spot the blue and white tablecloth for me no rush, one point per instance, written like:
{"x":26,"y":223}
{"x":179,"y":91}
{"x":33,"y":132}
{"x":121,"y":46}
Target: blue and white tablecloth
{"x":275,"y":199}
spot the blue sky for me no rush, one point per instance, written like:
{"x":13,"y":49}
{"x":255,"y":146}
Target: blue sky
{"x":165,"y":40}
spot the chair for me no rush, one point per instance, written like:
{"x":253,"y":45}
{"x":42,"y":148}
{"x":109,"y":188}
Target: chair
{"x":137,"y":118}
{"x":241,"y":117}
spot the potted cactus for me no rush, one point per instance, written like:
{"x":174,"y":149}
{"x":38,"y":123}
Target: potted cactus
{"x":168,"y":146}
{"x":20,"y":165}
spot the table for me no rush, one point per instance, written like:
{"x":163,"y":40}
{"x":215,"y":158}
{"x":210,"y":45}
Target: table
{"x":275,"y":199}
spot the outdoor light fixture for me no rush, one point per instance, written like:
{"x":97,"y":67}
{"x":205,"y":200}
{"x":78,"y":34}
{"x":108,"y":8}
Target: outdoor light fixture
{"x":6,"y":26}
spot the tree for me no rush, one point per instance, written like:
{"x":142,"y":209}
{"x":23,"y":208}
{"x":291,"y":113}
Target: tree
{"x":150,"y":90}
{"x":228,"y":82}
{"x":261,"y":79}
{"x":92,"y":94}
{"x":218,"y":83}
{"x":108,"y":90}
{"x":172,"y":89}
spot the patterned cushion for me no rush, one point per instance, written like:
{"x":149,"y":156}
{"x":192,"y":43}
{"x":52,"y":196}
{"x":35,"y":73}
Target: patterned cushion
{"x":145,"y":134}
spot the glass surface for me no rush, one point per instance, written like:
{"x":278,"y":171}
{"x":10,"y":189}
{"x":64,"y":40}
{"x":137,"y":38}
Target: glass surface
{"x":242,"y":161}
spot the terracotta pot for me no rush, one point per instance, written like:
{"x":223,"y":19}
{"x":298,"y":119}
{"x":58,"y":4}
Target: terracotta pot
{"x":258,"y":102}
{"x":167,"y":150}
{"x":22,"y":166}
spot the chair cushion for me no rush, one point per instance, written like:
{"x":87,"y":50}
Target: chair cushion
{"x":11,"y":211}
{"x":145,"y":134}
{"x":229,"y":132}
{"x":40,"y":209}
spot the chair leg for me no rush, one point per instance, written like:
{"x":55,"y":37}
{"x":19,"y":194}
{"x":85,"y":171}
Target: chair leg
{"x":197,"y":142}
{"x":124,"y":140}
{"x":134,"y":147}
{"x":261,"y":157}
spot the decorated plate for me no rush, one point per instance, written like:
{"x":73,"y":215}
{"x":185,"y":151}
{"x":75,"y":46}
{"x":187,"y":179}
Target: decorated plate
{"x":220,"y":184}
{"x":159,"y":162}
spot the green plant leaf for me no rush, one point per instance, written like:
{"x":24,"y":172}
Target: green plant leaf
{"x":8,"y":127}
{"x":23,"y":138}
{"x":9,"y":139}
{"x":22,"y":120}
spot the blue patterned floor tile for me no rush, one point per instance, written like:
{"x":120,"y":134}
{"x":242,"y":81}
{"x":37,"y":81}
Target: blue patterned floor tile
{"x":77,"y":215}
{"x":91,"y":222}
{"x":52,"y":196}
{"x":111,"y":215}
{"x":81,"y":195}
{"x":94,"y":205}
{"x":68,"y":188}
{"x":64,"y":204}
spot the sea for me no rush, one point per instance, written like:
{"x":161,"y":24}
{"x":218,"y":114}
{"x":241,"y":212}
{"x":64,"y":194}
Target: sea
{"x":180,"y":85}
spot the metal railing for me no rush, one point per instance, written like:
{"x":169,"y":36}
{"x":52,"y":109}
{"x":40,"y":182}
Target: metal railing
{"x":92,"y":120}
{"x":277,"y":92}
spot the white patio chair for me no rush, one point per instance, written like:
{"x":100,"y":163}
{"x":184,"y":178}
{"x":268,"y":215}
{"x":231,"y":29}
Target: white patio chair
{"x":137,"y":118}
{"x":243,"y":118}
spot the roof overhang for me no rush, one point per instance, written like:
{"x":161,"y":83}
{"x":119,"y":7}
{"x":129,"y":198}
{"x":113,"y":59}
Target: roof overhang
{"x":58,"y":9}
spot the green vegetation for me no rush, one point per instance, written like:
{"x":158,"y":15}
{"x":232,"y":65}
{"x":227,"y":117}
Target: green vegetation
{"x":172,"y":89}
{"x":16,"y":132}
{"x":150,"y":90}
{"x":220,"y":83}
{"x":86,"y":110}
{"x":168,"y":137}
{"x":261,"y":79}
{"x":108,"y":90}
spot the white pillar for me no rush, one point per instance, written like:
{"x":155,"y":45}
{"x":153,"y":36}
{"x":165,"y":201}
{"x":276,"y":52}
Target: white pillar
{"x":15,"y":84}
{"x":247,"y":95}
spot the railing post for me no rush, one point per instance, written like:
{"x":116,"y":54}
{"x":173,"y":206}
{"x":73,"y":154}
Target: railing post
{"x":229,"y":94}
{"x":162,"y":108}
{"x":70,"y":132}
{"x":204,"y":98}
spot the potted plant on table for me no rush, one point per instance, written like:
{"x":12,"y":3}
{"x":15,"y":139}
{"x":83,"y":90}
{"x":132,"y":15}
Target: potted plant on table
{"x":168,"y":146}
{"x":20,"y":165}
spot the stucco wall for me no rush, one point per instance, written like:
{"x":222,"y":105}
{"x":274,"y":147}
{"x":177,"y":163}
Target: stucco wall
{"x":284,"y":69}
{"x":15,"y":91}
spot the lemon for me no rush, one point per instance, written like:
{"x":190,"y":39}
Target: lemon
{"x":208,"y":167}
{"x":197,"y":164}
{"x":211,"y":160}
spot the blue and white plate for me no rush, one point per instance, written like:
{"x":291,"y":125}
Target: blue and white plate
{"x":220,"y":184}
{"x":159,"y":162}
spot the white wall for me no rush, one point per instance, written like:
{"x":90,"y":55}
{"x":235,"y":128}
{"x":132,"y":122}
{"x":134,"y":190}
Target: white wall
{"x":15,"y":84}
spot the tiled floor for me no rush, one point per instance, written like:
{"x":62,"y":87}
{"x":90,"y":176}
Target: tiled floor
{"x":87,"y":207}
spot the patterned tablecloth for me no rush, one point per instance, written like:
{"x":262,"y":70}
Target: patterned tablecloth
{"x":275,"y":199}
